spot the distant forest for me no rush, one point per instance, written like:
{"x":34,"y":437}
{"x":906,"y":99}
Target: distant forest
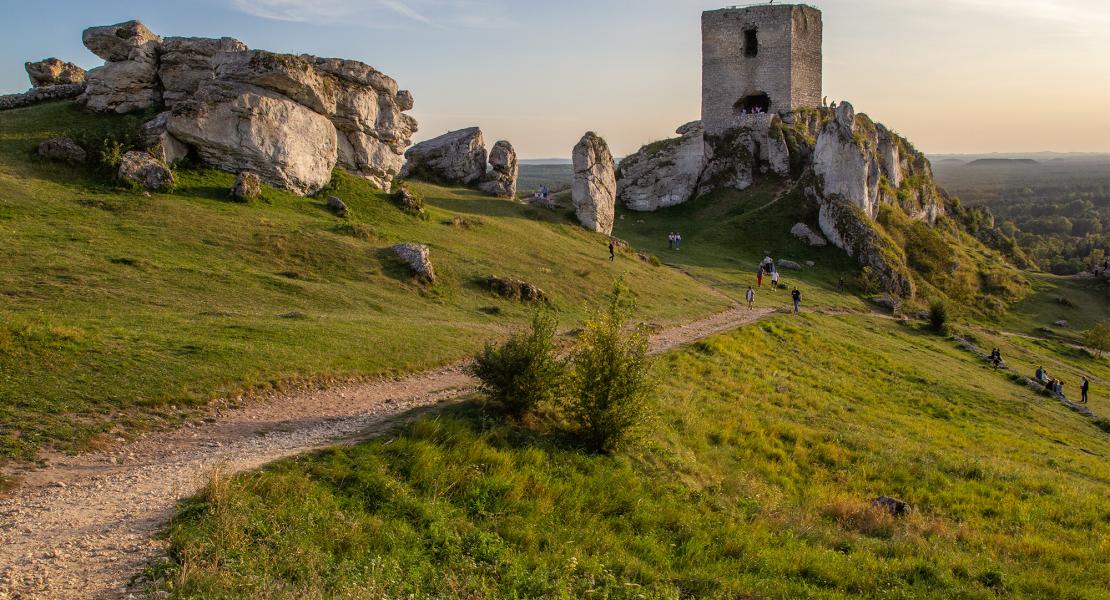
{"x":1057,"y":210}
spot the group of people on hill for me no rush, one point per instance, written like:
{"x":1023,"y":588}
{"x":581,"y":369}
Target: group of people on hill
{"x":674,"y":240}
{"x":767,"y":266}
{"x":996,"y":358}
{"x":1056,"y":386}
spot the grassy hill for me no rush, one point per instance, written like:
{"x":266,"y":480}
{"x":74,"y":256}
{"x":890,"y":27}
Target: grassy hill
{"x":756,"y":482}
{"x":120,"y":311}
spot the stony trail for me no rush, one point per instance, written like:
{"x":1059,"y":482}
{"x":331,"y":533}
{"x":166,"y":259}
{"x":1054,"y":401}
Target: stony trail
{"x":84,"y":526}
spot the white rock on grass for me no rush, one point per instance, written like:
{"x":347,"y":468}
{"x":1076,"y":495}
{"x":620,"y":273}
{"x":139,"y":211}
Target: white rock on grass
{"x":145,"y":170}
{"x":418,"y":259}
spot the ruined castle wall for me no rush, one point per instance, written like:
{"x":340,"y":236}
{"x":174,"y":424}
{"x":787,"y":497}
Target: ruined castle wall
{"x":789,"y":50}
{"x":805,"y":73}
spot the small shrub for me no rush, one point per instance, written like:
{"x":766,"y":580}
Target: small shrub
{"x":409,"y":201}
{"x":938,"y":316}
{"x":609,"y":378}
{"x":654,"y":260}
{"x":523,"y":372}
{"x":1098,"y":337}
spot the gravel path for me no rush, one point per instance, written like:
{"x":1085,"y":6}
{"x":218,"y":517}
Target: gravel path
{"x":85,"y":525}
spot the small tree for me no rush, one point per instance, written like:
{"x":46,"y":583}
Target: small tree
{"x":610,"y":376}
{"x":1098,"y":337}
{"x":523,"y":372}
{"x":938,"y":316}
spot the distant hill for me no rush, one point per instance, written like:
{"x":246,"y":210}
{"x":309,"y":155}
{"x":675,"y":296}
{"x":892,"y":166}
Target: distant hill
{"x":998,"y":162}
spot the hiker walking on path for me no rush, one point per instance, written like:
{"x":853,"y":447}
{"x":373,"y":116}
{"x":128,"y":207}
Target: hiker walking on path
{"x":750,"y":297}
{"x":1083,"y":387}
{"x":612,"y":251}
{"x":797,"y":297}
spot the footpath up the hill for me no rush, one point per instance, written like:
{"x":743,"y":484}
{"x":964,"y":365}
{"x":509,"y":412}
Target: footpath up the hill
{"x":86,"y":525}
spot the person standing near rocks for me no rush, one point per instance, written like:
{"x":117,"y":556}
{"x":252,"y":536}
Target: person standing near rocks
{"x":1083,"y":387}
{"x":750,"y":297}
{"x":797,"y":297}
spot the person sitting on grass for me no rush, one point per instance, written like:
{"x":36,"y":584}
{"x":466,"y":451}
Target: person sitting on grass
{"x":1040,"y":374}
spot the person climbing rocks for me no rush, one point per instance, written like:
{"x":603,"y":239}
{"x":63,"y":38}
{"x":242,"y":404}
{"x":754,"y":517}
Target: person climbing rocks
{"x":750,"y":297}
{"x":797,"y":297}
{"x":1083,"y":387}
{"x":612,"y":251}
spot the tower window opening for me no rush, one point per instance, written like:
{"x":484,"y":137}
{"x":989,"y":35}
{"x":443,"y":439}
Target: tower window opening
{"x":751,"y":42}
{"x":755,"y":103}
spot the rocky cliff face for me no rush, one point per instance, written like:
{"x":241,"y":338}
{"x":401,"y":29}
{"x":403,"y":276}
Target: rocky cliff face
{"x":290,"y":119}
{"x":849,"y":166}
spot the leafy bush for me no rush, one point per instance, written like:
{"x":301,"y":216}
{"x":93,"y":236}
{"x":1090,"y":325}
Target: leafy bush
{"x":1098,"y":337}
{"x":609,"y":377}
{"x":938,"y":316}
{"x":523,"y":372}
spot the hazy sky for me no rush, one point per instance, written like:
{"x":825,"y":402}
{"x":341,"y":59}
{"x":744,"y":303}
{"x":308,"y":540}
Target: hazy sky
{"x":951,"y":75}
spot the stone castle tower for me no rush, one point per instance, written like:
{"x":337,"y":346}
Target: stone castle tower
{"x":765,"y":57}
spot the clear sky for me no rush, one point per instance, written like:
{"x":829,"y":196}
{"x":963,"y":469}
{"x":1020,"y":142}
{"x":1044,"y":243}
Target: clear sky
{"x":951,"y":75}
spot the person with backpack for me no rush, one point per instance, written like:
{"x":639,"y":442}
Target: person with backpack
{"x":750,"y":296}
{"x":797,"y":297}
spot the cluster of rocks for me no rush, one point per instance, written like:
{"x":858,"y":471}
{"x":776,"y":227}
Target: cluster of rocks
{"x":848,"y":166}
{"x":515,"y":289}
{"x":288,"y":119}
{"x":460,"y":158}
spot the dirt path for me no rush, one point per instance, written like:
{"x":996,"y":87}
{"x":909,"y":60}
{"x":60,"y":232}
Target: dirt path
{"x":85,"y":525}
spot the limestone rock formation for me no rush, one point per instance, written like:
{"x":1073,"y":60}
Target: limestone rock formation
{"x":185,"y":63}
{"x":248,"y":186}
{"x":807,"y":235}
{"x":129,"y":79}
{"x":500,"y":180}
{"x":789,"y":265}
{"x":236,"y":126}
{"x":159,"y":141}
{"x":594,"y":190}
{"x":42,"y":94}
{"x":145,"y":170}
{"x":242,"y":108}
{"x":52,"y":71}
{"x":456,"y":157}
{"x":664,"y":173}
{"x":130,"y":40}
{"x":62,"y":149}
{"x":418,"y":259}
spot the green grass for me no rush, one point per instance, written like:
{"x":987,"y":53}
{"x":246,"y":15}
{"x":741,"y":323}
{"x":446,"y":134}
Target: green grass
{"x":119,"y":312}
{"x":1087,"y":302}
{"x":727,"y":233}
{"x":769,"y":444}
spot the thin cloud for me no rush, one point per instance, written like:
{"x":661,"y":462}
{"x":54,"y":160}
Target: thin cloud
{"x":404,"y":10}
{"x":374,"y":13}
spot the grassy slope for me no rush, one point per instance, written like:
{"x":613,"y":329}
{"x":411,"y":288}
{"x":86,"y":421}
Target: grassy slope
{"x":118,"y":311}
{"x":770,"y":443}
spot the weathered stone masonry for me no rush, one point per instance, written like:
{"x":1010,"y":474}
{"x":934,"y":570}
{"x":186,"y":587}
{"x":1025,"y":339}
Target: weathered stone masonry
{"x":765,"y":55}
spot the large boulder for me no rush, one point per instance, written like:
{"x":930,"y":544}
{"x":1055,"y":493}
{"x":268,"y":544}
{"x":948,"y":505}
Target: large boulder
{"x":236,"y":127}
{"x":500,"y":180}
{"x":145,"y":170}
{"x":52,"y":71}
{"x":295,"y":77}
{"x":594,"y":190}
{"x":663,"y":173}
{"x":418,"y":258}
{"x":456,"y":157}
{"x":128,"y":41}
{"x":121,"y":87}
{"x":186,"y":63}
{"x":62,"y":149}
{"x":247,"y":186}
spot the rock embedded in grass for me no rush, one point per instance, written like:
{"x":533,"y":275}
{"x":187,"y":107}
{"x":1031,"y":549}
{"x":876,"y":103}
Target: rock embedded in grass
{"x":143,"y":169}
{"x":515,"y":289}
{"x":62,"y":149}
{"x":418,"y":258}
{"x":807,"y":235}
{"x":337,"y":206}
{"x":789,"y":264}
{"x":248,"y":186}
